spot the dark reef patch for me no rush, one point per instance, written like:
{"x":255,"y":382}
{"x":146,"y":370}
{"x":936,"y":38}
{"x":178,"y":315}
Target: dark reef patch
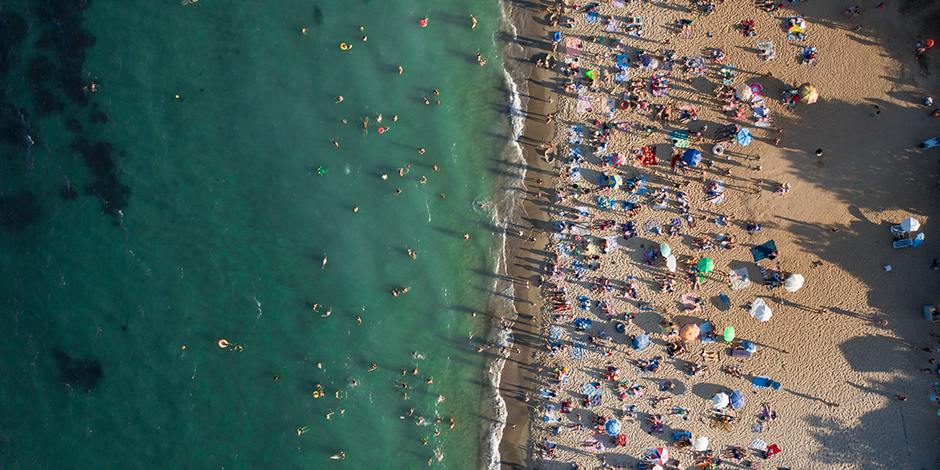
{"x":81,"y":373}
{"x":19,"y":210}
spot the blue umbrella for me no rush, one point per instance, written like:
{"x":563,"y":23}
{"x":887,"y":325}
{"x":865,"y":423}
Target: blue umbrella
{"x":918,"y":240}
{"x":613,"y":427}
{"x":641,"y":342}
{"x":749,"y":347}
{"x":745,"y":137}
{"x":737,"y":399}
{"x":692,"y":157}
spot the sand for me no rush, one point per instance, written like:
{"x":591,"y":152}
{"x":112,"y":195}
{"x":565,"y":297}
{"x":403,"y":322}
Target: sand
{"x":855,"y":377}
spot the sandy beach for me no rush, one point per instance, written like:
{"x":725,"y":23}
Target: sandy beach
{"x":851,"y":351}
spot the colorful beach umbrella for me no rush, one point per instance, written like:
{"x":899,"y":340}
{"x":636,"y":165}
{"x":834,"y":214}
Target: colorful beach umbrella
{"x":729,"y":334}
{"x":613,"y":427}
{"x":665,"y":249}
{"x":808,"y":94}
{"x":756,"y":88}
{"x":910,"y":224}
{"x":706,"y":265}
{"x":692,"y":157}
{"x":618,"y":159}
{"x":614,"y":181}
{"x":659,"y":456}
{"x":744,"y":136}
{"x":744,"y":92}
{"x":736,"y":399}
{"x":749,"y":347}
{"x":689,"y":332}
{"x":793,"y":283}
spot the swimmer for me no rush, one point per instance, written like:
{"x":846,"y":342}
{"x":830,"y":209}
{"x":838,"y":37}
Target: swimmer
{"x":339,"y":394}
{"x":440,"y":398}
{"x":385,"y":176}
{"x":434,"y":167}
{"x":303,"y":30}
{"x":359,"y":319}
{"x":339,"y":456}
{"x":343,"y":121}
{"x":398,"y":191}
{"x":373,"y":367}
{"x":404,"y":396}
{"x":324,"y":261}
{"x":379,"y":119}
{"x":438,"y":102}
{"x":481,"y":60}
{"x":402,"y":384}
{"x":437,"y":433}
{"x":430,"y":381}
{"x":443,"y":196}
{"x":421,"y":151}
{"x":420,"y":421}
{"x":466,"y":236}
{"x":423,"y":180}
{"x":329,"y":415}
{"x":451,"y":421}
{"x":302,"y":430}
{"x":401,"y":172}
{"x":339,"y":98}
{"x":399,"y":70}
{"x":426,"y":100}
{"x":355,"y":209}
{"x":328,"y":312}
{"x":473,"y":22}
{"x":335,"y":143}
{"x":414,"y":372}
{"x":365,"y":123}
{"x":275,"y":377}
{"x":403,"y":372}
{"x":436,"y":92}
{"x":361,"y":29}
{"x":365,"y":38}
{"x":395,"y":118}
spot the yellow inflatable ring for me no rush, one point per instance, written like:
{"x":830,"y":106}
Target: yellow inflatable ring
{"x":343,"y":46}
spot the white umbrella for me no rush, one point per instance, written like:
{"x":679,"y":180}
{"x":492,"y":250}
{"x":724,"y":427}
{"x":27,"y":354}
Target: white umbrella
{"x":910,"y":224}
{"x":720,"y":401}
{"x":671,"y":263}
{"x":760,"y":310}
{"x":793,"y":283}
{"x":701,"y":444}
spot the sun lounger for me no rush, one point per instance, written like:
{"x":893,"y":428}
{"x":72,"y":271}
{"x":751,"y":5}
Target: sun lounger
{"x":903,"y":243}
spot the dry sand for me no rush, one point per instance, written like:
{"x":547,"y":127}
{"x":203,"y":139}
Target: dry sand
{"x":838,"y":212}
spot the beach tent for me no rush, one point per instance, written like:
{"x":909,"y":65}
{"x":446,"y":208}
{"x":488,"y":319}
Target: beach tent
{"x":744,"y":92}
{"x":701,"y":444}
{"x":641,"y":342}
{"x":720,"y":401}
{"x":665,"y":249}
{"x":744,"y":136}
{"x":706,"y":265}
{"x":671,"y":263}
{"x":613,"y":427}
{"x":689,"y":332}
{"x":692,"y":157}
{"x":808,"y":94}
{"x":739,"y":279}
{"x":910,"y":224}
{"x":749,"y":347}
{"x":760,"y":310}
{"x":793,"y":283}
{"x":659,"y":456}
{"x":736,"y":399}
{"x":729,"y":334}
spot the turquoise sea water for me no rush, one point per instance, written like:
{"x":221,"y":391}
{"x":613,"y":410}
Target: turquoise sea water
{"x":213,"y":222}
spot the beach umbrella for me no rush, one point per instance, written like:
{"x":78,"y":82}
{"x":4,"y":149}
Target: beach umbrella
{"x":736,"y":399}
{"x":618,"y":159}
{"x":729,"y":334}
{"x":744,"y":92}
{"x":671,"y":263}
{"x":749,"y":347}
{"x":614,"y":181}
{"x":657,"y":467}
{"x":756,"y":88}
{"x":641,"y":342}
{"x":659,"y":456}
{"x":701,"y":444}
{"x":613,"y":427}
{"x":720,"y":401}
{"x":793,"y":283}
{"x":706,"y":265}
{"x":692,"y":157}
{"x":689,"y":332}
{"x":910,"y":224}
{"x":744,"y":136}
{"x":808,"y":94}
{"x":665,"y":249}
{"x":918,"y":240}
{"x":650,"y":62}
{"x":760,"y":310}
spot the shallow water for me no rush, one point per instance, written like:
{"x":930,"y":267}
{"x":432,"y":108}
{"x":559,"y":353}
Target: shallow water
{"x":218,"y":118}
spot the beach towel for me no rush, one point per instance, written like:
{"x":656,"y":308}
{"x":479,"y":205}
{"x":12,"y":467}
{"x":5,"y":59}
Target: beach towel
{"x":634,"y":26}
{"x":617,"y":4}
{"x":668,"y":60}
{"x":592,"y":389}
{"x":648,"y":157}
{"x":796,"y":28}
{"x":584,"y":103}
{"x":554,"y":333}
{"x":660,"y":85}
{"x":635,"y":186}
{"x":718,"y":194}
{"x":739,"y":279}
{"x":664,"y":200}
{"x":576,"y":170}
{"x":547,"y":393}
{"x":763,"y":382}
{"x":766,"y":49}
{"x":574,"y":154}
{"x":609,"y":106}
{"x":763,"y":251}
{"x":652,"y":227}
{"x":691,"y":301}
{"x":577,"y":350}
{"x":579,"y":229}
{"x":680,"y":138}
{"x":611,"y":25}
{"x":757,"y":427}
{"x":621,"y":66}
{"x":695,"y":66}
{"x":759,"y":445}
{"x":611,"y":244}
{"x":575,"y":132}
{"x":594,"y":444}
{"x":591,"y":17}
{"x":573,"y":47}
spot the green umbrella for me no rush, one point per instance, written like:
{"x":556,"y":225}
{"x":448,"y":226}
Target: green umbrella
{"x":729,"y":334}
{"x":665,"y":249}
{"x":706,"y":265}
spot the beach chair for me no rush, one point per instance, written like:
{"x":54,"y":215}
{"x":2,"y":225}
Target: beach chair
{"x":903,"y":243}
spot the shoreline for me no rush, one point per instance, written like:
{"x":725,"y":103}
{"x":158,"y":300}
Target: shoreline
{"x":517,"y":375}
